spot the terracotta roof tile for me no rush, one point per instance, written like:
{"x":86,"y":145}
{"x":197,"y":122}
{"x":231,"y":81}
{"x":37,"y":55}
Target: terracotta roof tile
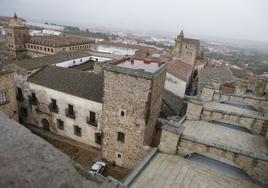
{"x":180,"y":70}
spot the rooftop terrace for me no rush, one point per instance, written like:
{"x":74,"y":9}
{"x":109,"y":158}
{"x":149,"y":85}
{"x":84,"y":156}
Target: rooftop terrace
{"x":139,"y":64}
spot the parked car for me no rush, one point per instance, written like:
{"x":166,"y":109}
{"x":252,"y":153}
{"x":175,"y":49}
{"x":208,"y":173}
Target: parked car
{"x":97,"y":168}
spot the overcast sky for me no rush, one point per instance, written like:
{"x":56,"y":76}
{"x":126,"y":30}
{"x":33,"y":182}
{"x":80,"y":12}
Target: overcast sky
{"x":241,"y":19}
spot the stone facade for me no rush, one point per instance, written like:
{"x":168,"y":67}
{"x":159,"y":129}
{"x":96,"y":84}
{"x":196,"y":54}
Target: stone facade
{"x":186,"y":50}
{"x":8,"y":102}
{"x":169,"y":142}
{"x":131,"y":106}
{"x":16,"y":37}
{"x":260,"y":86}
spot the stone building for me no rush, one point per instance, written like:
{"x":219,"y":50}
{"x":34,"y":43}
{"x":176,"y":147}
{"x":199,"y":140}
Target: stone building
{"x":18,"y":40}
{"x":67,"y":102}
{"x":186,"y":49}
{"x":17,"y":34}
{"x":8,"y":102}
{"x":133,"y":90}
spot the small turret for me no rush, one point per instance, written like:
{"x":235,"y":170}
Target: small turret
{"x":181,"y":35}
{"x":15,"y":16}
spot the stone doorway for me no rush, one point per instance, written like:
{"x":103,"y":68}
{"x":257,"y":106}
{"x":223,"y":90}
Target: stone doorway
{"x":45,"y":124}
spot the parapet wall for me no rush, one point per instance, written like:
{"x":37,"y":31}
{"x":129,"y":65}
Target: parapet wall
{"x":260,"y":103}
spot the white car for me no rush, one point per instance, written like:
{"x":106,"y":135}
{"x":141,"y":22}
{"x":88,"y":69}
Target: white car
{"x":97,"y":168}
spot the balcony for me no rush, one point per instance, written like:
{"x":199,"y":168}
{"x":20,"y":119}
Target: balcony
{"x":90,"y":122}
{"x":68,"y":114}
{"x":52,"y":108}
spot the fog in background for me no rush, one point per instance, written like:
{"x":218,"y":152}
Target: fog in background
{"x":237,"y":19}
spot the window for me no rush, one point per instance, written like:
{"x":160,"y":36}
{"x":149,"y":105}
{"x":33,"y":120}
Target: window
{"x":33,"y":99}
{"x":122,"y":113}
{"x":3,"y":97}
{"x":51,"y":50}
{"x":81,"y":60}
{"x":120,"y":137}
{"x":98,"y":138}
{"x":19,"y":94}
{"x":54,"y":103}
{"x":45,"y":49}
{"x":77,"y":130}
{"x":92,"y":117}
{"x":23,"y":112}
{"x":70,"y":111}
{"x":73,"y":61}
{"x":60,"y":124}
{"x":53,"y":106}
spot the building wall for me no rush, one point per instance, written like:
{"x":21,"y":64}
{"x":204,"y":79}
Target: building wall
{"x":175,"y":85}
{"x":186,"y":51}
{"x":81,"y":109}
{"x":16,"y":38}
{"x":49,"y":50}
{"x":128,"y":94}
{"x":157,"y":93}
{"x":7,"y":85}
{"x":113,"y":50}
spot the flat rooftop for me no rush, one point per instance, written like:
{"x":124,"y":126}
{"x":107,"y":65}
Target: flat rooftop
{"x":230,"y":108}
{"x":139,"y":64}
{"x":166,"y":171}
{"x":220,"y":135}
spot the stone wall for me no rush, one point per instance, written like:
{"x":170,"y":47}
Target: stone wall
{"x":260,"y":86}
{"x":186,"y":52}
{"x":154,"y":105}
{"x":260,"y":103}
{"x":255,"y":168}
{"x":17,"y":38}
{"x":168,"y":142}
{"x":7,"y":84}
{"x":131,"y":106}
{"x":130,"y":95}
{"x":194,"y":111}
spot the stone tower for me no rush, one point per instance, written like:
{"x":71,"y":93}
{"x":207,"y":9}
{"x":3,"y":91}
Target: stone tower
{"x":186,"y":49}
{"x":17,"y":34}
{"x":260,"y":86}
{"x":133,"y":90}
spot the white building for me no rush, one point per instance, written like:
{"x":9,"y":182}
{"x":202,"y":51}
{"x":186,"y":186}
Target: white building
{"x":67,"y":102}
{"x":178,"y":78}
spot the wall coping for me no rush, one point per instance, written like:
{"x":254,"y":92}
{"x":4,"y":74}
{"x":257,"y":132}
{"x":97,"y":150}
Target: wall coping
{"x":134,"y":174}
{"x":264,"y":118}
{"x":172,"y":125}
{"x":135,"y":72}
{"x":241,"y":96}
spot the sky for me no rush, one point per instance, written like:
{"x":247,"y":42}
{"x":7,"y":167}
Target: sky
{"x":236,"y":19}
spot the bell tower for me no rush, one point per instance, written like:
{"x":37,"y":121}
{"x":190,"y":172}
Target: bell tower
{"x":17,"y":35}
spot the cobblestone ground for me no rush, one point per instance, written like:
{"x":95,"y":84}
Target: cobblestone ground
{"x":171,"y":171}
{"x":81,"y":153}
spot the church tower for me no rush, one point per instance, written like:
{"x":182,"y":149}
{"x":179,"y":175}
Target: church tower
{"x":186,"y":49}
{"x":17,"y":35}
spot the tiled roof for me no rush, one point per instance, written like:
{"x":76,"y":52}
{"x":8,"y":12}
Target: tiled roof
{"x":245,"y":75}
{"x":81,"y":84}
{"x":38,"y":62}
{"x":220,"y":74}
{"x":180,"y":70}
{"x":59,"y":41}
